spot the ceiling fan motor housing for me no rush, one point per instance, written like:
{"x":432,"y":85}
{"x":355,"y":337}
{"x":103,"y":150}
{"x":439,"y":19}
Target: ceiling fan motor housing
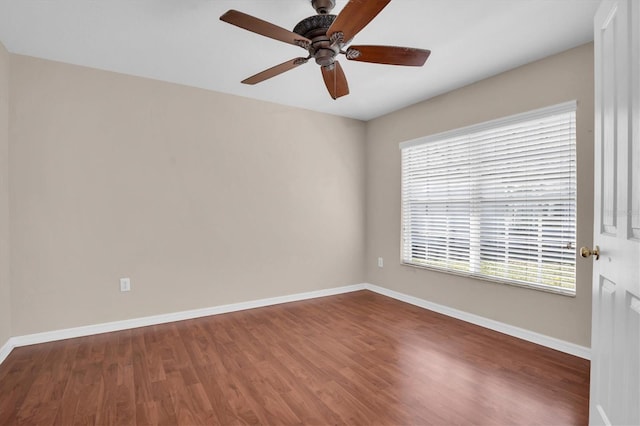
{"x":315,"y":29}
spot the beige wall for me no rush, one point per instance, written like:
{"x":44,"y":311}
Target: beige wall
{"x":5,"y":293}
{"x":201,"y":198}
{"x":556,"y":79}
{"x":205,"y":199}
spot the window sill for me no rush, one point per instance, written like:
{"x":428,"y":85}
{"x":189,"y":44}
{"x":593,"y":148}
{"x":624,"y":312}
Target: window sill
{"x":547,"y":289}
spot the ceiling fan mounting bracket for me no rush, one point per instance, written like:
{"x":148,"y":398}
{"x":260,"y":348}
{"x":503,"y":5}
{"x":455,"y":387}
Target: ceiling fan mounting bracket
{"x":323,"y":7}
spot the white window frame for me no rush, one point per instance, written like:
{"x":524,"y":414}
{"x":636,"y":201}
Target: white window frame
{"x":470,"y":223}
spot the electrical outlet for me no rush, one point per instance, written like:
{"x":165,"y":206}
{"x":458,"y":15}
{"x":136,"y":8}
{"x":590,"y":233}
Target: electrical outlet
{"x":380,"y":262}
{"x":125,"y":284}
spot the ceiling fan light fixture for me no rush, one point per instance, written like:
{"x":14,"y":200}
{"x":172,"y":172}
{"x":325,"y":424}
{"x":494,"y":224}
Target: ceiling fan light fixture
{"x":324,"y":56}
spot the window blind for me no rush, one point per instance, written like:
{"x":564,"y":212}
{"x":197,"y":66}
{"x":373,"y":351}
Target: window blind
{"x":496,"y":200}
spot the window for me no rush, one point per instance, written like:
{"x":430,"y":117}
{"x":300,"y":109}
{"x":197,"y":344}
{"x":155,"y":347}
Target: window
{"x":495,"y":200}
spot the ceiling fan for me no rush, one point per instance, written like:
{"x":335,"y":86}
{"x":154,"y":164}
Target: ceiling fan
{"x":325,"y":36}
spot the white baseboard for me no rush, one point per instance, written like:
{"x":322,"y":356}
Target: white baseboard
{"x":521,"y":333}
{"x":5,"y":350}
{"x":49,"y":336}
{"x":69,"y":333}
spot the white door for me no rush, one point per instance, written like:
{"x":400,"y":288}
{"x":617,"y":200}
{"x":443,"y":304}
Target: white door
{"x":615,"y":360}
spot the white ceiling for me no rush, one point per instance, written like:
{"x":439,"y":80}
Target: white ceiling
{"x":183,"y":41}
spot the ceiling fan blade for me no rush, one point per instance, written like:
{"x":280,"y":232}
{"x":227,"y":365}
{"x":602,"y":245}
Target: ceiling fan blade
{"x":264,"y":28}
{"x":335,"y":80}
{"x":273,"y":71}
{"x":354,"y":17}
{"x":391,"y":55}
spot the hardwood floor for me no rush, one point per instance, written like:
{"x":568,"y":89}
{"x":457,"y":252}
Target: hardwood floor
{"x":357,"y":358}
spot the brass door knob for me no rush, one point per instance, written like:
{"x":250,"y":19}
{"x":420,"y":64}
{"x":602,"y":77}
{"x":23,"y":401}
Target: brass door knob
{"x":586,"y":252}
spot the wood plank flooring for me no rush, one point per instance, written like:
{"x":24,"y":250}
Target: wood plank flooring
{"x":357,"y":358}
